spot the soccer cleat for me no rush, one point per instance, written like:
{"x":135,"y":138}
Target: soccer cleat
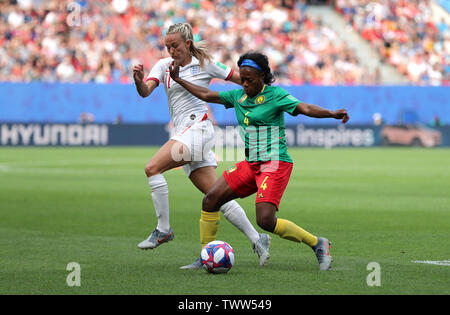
{"x":261,"y":247}
{"x":156,"y":238}
{"x":322,"y":251}
{"x":194,"y":266}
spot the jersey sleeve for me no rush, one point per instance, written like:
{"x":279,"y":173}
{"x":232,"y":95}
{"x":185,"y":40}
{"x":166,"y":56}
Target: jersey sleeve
{"x":158,"y":71}
{"x":286,"y":102}
{"x":228,"y":98}
{"x":219,"y":70}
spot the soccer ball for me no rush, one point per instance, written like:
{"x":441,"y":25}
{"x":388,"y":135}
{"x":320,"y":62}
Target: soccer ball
{"x":217,"y":257}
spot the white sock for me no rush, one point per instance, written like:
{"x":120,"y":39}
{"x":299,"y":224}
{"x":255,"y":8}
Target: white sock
{"x":234,"y":213}
{"x":160,"y":197}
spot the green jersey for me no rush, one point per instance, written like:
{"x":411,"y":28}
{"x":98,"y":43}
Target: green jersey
{"x":261,"y":121}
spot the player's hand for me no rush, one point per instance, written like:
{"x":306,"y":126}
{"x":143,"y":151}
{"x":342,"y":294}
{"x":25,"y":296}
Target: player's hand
{"x":341,"y":114}
{"x":174,"y":71}
{"x":138,"y":73}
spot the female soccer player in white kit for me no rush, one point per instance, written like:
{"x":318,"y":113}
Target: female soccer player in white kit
{"x":190,"y":145}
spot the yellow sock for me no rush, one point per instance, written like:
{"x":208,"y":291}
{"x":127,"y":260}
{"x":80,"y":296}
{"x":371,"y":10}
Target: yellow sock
{"x":291,"y":231}
{"x":209,"y":225}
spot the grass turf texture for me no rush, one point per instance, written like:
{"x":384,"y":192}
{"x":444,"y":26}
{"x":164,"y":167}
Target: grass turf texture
{"x":93,"y":206}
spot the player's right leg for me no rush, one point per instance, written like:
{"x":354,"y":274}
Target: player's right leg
{"x":172,"y":154}
{"x":217,"y":196}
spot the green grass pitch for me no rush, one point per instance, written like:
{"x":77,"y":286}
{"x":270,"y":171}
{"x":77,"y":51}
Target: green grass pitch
{"x":93,"y":206}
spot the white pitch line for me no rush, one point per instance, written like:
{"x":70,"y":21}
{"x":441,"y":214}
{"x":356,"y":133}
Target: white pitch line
{"x":94,"y":162}
{"x":433,"y":262}
{"x":58,"y":166}
{"x":39,"y":169}
{"x":4,"y":168}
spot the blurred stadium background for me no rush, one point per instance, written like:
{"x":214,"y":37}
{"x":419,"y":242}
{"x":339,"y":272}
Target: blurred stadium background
{"x":66,"y":62}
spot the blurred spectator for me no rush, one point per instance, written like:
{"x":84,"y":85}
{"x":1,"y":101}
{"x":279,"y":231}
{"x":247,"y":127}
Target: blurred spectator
{"x":405,"y":35}
{"x":65,"y":70}
{"x":119,"y":119}
{"x":86,"y":118}
{"x":377,"y":119}
{"x":38,"y":43}
{"x":436,"y":121}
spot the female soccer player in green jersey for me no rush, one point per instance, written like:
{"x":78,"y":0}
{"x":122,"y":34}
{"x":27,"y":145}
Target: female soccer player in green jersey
{"x":267,"y":166}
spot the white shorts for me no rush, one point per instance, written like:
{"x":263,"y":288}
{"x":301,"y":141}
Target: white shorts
{"x":199,"y":138}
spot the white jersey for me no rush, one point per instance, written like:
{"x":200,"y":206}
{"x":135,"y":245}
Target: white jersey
{"x":184,"y":107}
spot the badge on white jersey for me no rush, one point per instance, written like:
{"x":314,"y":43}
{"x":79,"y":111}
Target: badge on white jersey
{"x":195,"y":69}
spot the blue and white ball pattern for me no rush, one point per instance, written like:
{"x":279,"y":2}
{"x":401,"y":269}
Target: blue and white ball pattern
{"x":217,"y":257}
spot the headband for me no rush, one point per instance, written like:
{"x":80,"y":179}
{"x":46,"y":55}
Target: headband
{"x":250,"y":63}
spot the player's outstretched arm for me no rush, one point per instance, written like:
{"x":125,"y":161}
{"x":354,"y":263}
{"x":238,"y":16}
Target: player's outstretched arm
{"x":235,"y":78}
{"x":320,"y":112}
{"x":144,"y":89}
{"x":202,"y":93}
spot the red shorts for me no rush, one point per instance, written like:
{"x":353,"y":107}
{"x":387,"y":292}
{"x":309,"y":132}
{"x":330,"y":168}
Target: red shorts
{"x":267,"y":179}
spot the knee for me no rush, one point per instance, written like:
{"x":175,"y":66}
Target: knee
{"x":151,"y":170}
{"x":209,"y":203}
{"x":266,"y":224}
{"x":266,"y":221}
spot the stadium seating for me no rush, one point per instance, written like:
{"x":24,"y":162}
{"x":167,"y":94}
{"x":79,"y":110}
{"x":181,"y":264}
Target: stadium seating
{"x":405,"y":35}
{"x":99,"y":41}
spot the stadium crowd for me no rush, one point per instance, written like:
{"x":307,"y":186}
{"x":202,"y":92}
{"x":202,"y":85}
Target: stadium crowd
{"x":405,"y":35}
{"x":100,"y":41}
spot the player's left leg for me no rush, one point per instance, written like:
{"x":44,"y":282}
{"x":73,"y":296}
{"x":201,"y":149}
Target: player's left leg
{"x":267,"y":220}
{"x":272,"y":182}
{"x":271,"y":186}
{"x":162,"y":161}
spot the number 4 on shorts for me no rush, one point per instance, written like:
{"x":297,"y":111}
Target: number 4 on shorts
{"x":264,"y":184}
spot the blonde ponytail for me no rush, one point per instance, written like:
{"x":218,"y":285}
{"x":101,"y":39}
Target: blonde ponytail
{"x":199,"y":50}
